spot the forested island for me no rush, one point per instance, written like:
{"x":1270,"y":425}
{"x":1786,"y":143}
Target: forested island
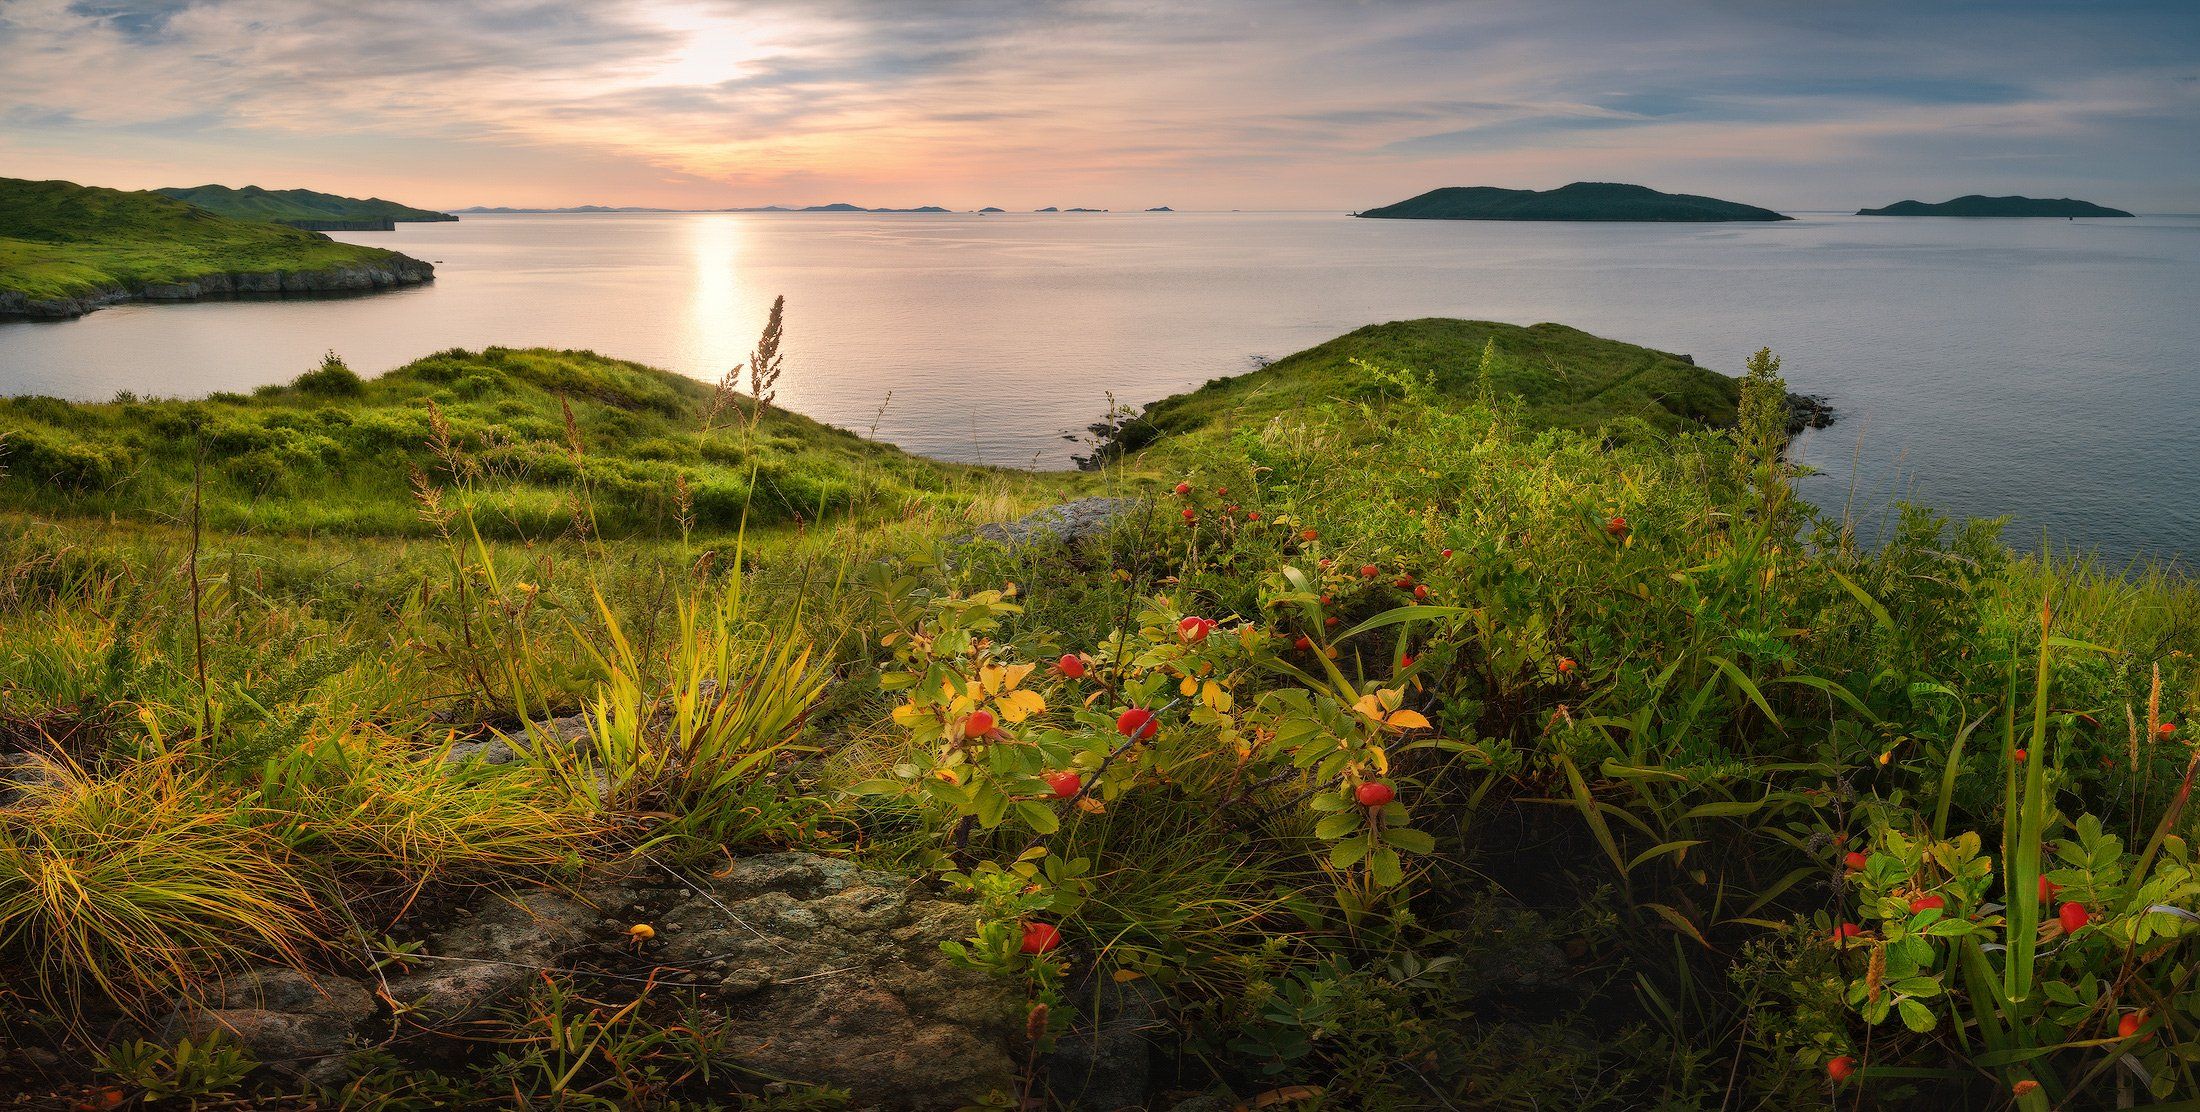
{"x":1978,"y":205}
{"x":67,"y":249}
{"x":304,"y":208}
{"x":1583,"y":200}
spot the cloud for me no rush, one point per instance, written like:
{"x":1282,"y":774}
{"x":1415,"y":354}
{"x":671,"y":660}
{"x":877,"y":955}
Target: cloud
{"x":1237,"y":103}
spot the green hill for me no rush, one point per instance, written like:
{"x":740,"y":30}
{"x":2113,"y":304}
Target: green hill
{"x":1583,"y":200}
{"x":67,"y":249}
{"x":1563,"y":378}
{"x":302,"y":208}
{"x":334,"y":453}
{"x":1977,"y":205}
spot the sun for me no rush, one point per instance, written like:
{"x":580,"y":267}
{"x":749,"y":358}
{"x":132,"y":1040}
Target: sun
{"x":714,"y":48}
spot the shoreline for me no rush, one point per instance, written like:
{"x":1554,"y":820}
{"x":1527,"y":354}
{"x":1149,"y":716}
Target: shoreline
{"x":399,"y":271}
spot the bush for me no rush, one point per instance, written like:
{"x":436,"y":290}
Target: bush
{"x":332,"y":379}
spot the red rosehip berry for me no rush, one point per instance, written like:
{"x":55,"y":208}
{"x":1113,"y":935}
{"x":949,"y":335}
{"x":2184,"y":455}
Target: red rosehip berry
{"x":1841,"y":1069}
{"x":2048,"y":888}
{"x":1854,"y":861}
{"x":1446,"y":554}
{"x":2073,"y":916}
{"x":2130,"y":1024}
{"x":1064,"y":784}
{"x":1308,"y":534}
{"x":1190,"y":514}
{"x":1302,"y":643}
{"x":2018,"y":755}
{"x":979,"y":724}
{"x":1072,"y":666}
{"x":1137,"y":722}
{"x":1369,"y":571}
{"x":1374,"y":794}
{"x":1566,"y":665}
{"x":1846,"y":931}
{"x":1183,"y":489}
{"x":2166,"y":731}
{"x":1041,"y":937}
{"x":1420,"y":591}
{"x":1616,"y":527}
{"x":1928,"y":903}
{"x":1253,"y":515}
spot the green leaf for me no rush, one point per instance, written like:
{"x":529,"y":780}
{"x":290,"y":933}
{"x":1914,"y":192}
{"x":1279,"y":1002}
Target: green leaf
{"x":1915,"y":1016}
{"x":1408,"y":840}
{"x":1348,"y":852}
{"x":1337,"y":825}
{"x":1385,"y":865}
{"x":1039,"y":817}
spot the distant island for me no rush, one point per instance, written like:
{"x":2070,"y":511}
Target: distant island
{"x":1977,"y":205}
{"x":1049,"y":208}
{"x":990,"y":208}
{"x":1583,"y":200}
{"x":303,"y":208}
{"x":1161,"y":208}
{"x":67,"y":249}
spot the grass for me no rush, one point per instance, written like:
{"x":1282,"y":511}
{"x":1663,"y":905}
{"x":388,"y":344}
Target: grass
{"x":64,"y":240}
{"x":513,"y":437}
{"x":1635,"y":707}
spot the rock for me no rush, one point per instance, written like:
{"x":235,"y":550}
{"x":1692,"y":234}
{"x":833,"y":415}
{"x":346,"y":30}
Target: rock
{"x":1102,"y":1063}
{"x":22,"y":774}
{"x":836,"y":978}
{"x":1070,"y":522}
{"x":491,"y":957}
{"x":570,"y":730}
{"x":290,"y":1022}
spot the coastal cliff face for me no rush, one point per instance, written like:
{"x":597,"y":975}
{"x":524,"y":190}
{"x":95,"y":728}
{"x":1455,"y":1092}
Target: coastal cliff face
{"x":397,"y":270}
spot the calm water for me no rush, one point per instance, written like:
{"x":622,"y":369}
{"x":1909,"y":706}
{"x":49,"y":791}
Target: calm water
{"x":2044,"y":369}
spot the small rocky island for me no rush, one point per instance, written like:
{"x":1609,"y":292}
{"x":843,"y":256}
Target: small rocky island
{"x":1583,"y":200}
{"x":1979,"y":205}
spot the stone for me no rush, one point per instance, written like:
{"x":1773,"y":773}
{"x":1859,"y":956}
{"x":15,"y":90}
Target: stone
{"x":22,"y":774}
{"x":1103,"y":1063}
{"x":838,"y":979}
{"x":1070,"y":523}
{"x":290,"y":1022}
{"x":490,"y":957}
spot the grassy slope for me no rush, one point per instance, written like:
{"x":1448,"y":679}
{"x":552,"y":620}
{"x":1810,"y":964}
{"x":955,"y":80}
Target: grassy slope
{"x":1583,"y":200}
{"x":298,"y":459}
{"x":254,"y":203}
{"x":1564,"y":377}
{"x":67,"y":240}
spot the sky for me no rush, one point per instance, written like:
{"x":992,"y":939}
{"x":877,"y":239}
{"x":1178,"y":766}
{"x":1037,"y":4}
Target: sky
{"x":1123,"y":104}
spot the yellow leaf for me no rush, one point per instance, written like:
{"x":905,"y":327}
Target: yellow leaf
{"x":1369,"y":706}
{"x":1126,"y":976}
{"x":1015,"y":675}
{"x":1390,"y":697}
{"x":907,"y":714}
{"x":1408,"y":720}
{"x":990,"y":677}
{"x":1019,"y":705}
{"x":1092,"y":806}
{"x":1214,"y":696}
{"x":1187,"y":688}
{"x":1382,"y":759}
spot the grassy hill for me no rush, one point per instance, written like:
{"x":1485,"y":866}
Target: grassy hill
{"x":1583,"y":200}
{"x":332,"y":453}
{"x":301,"y":208}
{"x":66,"y":249}
{"x":1977,"y":205}
{"x":1562,"y":377}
